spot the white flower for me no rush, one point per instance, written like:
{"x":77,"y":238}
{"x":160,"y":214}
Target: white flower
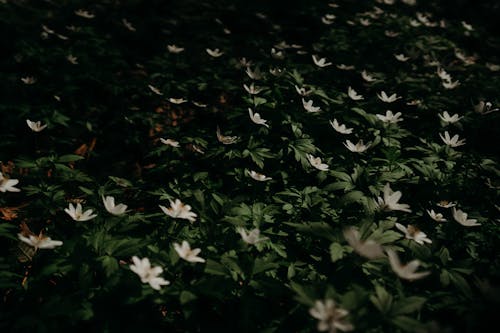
{"x":450,"y":85}
{"x":408,"y":271}
{"x":484,"y":108}
{"x":316,"y":162}
{"x":170,"y":142}
{"x":390,"y":200}
{"x":109,"y":204}
{"x":358,"y":147}
{"x":326,"y":21}
{"x":84,"y":13}
{"x":39,"y":242}
{"x":177,"y":100}
{"x":7,"y":185}
{"x":252,"y":90}
{"x":446,"y":204}
{"x":36,"y":126}
{"x":155,"y":90}
{"x":392,"y":34}
{"x":330,"y":317}
{"x":254,"y":75}
{"x":302,"y":91}
{"x":401,"y":57}
{"x":452,"y":142}
{"x":258,"y":176}
{"x":345,"y":67}
{"x":28,"y":80}
{"x":320,"y":62}
{"x":76,"y":213}
{"x":387,"y":99}
{"x":178,"y":210}
{"x":365,"y":22}
{"x":340,"y":128}
{"x":367,"y":77}
{"x":390,"y":117}
{"x":200,"y":105}
{"x":438,"y":217}
{"x":214,"y":53}
{"x":276,"y":71}
{"x":277,"y":54}
{"x":443,"y":74}
{"x":411,"y":232}
{"x":172,"y":48}
{"x":186,"y":253}
{"x":461,"y":217}
{"x":353,"y":94}
{"x":367,"y":248}
{"x":449,"y":119}
{"x":148,"y":274}
{"x":255,"y":117}
{"x":492,"y":67}
{"x":72,"y":59}
{"x":467,"y":26}
{"x":128,"y":25}
{"x":227,"y":140}
{"x":308,"y":105}
{"x":252,"y":237}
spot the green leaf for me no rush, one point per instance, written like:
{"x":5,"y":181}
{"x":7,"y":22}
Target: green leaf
{"x":336,"y":252}
{"x":408,"y":305}
{"x":69,"y":158}
{"x":186,"y":297}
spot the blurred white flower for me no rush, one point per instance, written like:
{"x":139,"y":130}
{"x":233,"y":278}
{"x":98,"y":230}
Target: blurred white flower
{"x":320,"y":62}
{"x":170,"y":142}
{"x":367,"y":77}
{"x":308,"y":106}
{"x":109,"y":204}
{"x":200,"y":105}
{"x":255,"y":74}
{"x":184,"y":251}
{"x":390,"y":117}
{"x":177,"y":100}
{"x":252,"y":237}
{"x":316,"y":162}
{"x":492,"y":67}
{"x":408,"y":271}
{"x":40,"y":241}
{"x":443,"y":75}
{"x":76,"y":213}
{"x":449,"y":119}
{"x":214,"y":53}
{"x":128,"y":25}
{"x":412,"y":232}
{"x":353,"y":94}
{"x":252,"y":90}
{"x":155,"y":90}
{"x":387,"y":99}
{"x":445,"y":204}
{"x":84,"y":13}
{"x":392,"y":34}
{"x":452,"y":141}
{"x":366,"y":248}
{"x":258,"y":176}
{"x":365,"y":22}
{"x":330,"y":317}
{"x":302,"y":91}
{"x":7,"y":185}
{"x":35,"y":126}
{"x":172,"y":48}
{"x":390,"y":200}
{"x":148,"y":274}
{"x":227,"y":140}
{"x":401,"y":57}
{"x":28,"y":80}
{"x":72,"y":59}
{"x":484,"y":107}
{"x":461,"y":217}
{"x":178,"y":210}
{"x":276,"y":71}
{"x":340,"y":128}
{"x":279,"y":55}
{"x":345,"y":67}
{"x":438,"y":217}
{"x":467,"y":26}
{"x":255,"y":117}
{"x":450,"y":84}
{"x":359,"y":147}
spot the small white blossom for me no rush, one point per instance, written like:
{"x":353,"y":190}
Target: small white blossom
{"x":401,"y":57}
{"x":345,"y":67}
{"x":320,"y":62}
{"x":353,"y":94}
{"x":111,"y":207}
{"x":367,"y":77}
{"x":279,"y":55}
{"x":308,"y":106}
{"x":390,"y":117}
{"x":40,"y":241}
{"x":387,"y":99}
{"x":252,"y":90}
{"x":461,"y":217}
{"x":77,"y":214}
{"x":170,"y":142}
{"x":303,"y":91}
{"x":438,"y":217}
{"x":258,"y":176}
{"x":452,"y":141}
{"x":227,"y":140}
{"x":148,"y":274}
{"x":449,"y":119}
{"x":72,"y":59}
{"x":178,"y":210}
{"x":36,"y":126}
{"x":390,"y":200}
{"x":7,"y":185}
{"x":256,"y":118}
{"x":316,"y":162}
{"x":255,"y":74}
{"x":128,"y":25}
{"x":172,"y":48}
{"x":330,"y":317}
{"x":155,"y":90}
{"x":411,"y":232}
{"x":341,"y":128}
{"x":359,"y":147}
{"x":184,"y":251}
{"x":366,"y":248}
{"x":443,"y":75}
{"x":214,"y":53}
{"x":408,"y":271}
{"x":445,"y":204}
{"x":484,"y":107}
{"x":84,"y":13}
{"x":450,"y":85}
{"x":177,"y":100}
{"x":252,"y":237}
{"x":28,"y":80}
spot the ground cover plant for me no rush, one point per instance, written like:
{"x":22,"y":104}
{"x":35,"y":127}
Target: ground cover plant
{"x":269,"y":166}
